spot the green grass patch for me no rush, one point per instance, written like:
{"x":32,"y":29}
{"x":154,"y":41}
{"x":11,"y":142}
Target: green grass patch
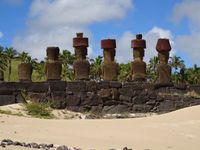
{"x":39,"y":110}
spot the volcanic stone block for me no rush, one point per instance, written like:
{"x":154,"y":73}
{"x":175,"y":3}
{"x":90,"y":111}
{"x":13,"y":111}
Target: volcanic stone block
{"x":92,"y":100}
{"x":7,"y":99}
{"x":91,"y":86}
{"x":25,"y":72}
{"x":141,"y":108}
{"x":38,"y":87}
{"x":52,"y":53}
{"x":81,"y":69}
{"x":76,"y":86}
{"x":103,"y":85}
{"x":57,"y":85}
{"x":166,"y":106}
{"x":58,"y":100}
{"x":115,"y":84}
{"x":73,"y":100}
{"x":53,"y":71}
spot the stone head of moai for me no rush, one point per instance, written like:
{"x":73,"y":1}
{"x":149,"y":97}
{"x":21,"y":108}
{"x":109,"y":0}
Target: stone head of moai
{"x":138,"y":46}
{"x":163,"y":47}
{"x":108,"y":46}
{"x":52,"y":54}
{"x":80,"y":45}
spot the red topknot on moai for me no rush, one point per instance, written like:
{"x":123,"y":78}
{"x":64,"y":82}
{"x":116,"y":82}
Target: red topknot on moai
{"x":138,"y":67}
{"x":163,"y":69}
{"x":109,"y":67}
{"x":81,"y":65}
{"x":53,"y":68}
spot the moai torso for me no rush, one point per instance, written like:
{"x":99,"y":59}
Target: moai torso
{"x":25,"y":72}
{"x":81,"y":66}
{"x":138,"y":67}
{"x":163,"y":69}
{"x":53,"y":68}
{"x":109,"y":67}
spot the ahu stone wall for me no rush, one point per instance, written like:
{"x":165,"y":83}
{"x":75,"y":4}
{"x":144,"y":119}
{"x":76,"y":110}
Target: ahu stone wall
{"x":105,"y":96}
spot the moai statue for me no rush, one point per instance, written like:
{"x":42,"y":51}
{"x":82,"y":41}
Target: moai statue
{"x":25,"y":72}
{"x":109,"y":68}
{"x":163,"y":69}
{"x":53,"y":67}
{"x":138,"y":67}
{"x":81,"y":65}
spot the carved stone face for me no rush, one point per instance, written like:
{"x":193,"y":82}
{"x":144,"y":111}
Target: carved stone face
{"x":109,"y":55}
{"x":163,"y":57}
{"x":138,"y":54}
{"x":81,"y":53}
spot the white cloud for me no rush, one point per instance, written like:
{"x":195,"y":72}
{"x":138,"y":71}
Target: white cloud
{"x":1,"y":35}
{"x":125,"y":53}
{"x":189,"y":43}
{"x":55,"y":22}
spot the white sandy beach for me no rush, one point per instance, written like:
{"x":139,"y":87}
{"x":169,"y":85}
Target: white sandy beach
{"x":179,"y":130}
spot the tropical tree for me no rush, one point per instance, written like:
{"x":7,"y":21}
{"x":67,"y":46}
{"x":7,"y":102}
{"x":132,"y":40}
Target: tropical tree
{"x":151,"y":69}
{"x":10,"y":55}
{"x":95,"y":68}
{"x":193,"y":75}
{"x":39,"y":69}
{"x":3,"y":59}
{"x":124,"y":71}
{"x":176,"y":63}
{"x":67,"y":59}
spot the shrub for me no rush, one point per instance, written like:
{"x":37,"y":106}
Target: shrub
{"x":39,"y":110}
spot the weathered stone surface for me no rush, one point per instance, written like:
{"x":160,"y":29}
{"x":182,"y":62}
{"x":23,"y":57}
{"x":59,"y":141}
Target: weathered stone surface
{"x":58,"y":100}
{"x":104,"y":93}
{"x":115,"y":109}
{"x":92,"y":100}
{"x":125,"y":98}
{"x":81,"y":70}
{"x":25,"y":72}
{"x":115,"y":84}
{"x":141,"y":108}
{"x":38,"y":97}
{"x":103,"y":85}
{"x":7,"y":99}
{"x":53,"y":70}
{"x":110,"y":71}
{"x":57,"y":85}
{"x":115,"y":94}
{"x":166,"y":106}
{"x":91,"y":86}
{"x":38,"y":87}
{"x":73,"y":100}
{"x":76,"y":87}
{"x":126,"y":91}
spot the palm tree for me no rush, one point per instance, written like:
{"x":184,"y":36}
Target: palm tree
{"x":176,"y":63}
{"x":151,"y":68}
{"x":3,"y":63}
{"x":124,"y":71}
{"x":10,"y":54}
{"x":67,"y":59}
{"x":39,"y":71}
{"x":95,"y":68}
{"x":194,"y":75}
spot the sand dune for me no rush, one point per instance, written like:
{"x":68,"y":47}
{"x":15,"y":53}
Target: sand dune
{"x":179,"y":130}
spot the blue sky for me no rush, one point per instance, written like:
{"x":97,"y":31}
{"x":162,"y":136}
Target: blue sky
{"x":32,"y":25}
